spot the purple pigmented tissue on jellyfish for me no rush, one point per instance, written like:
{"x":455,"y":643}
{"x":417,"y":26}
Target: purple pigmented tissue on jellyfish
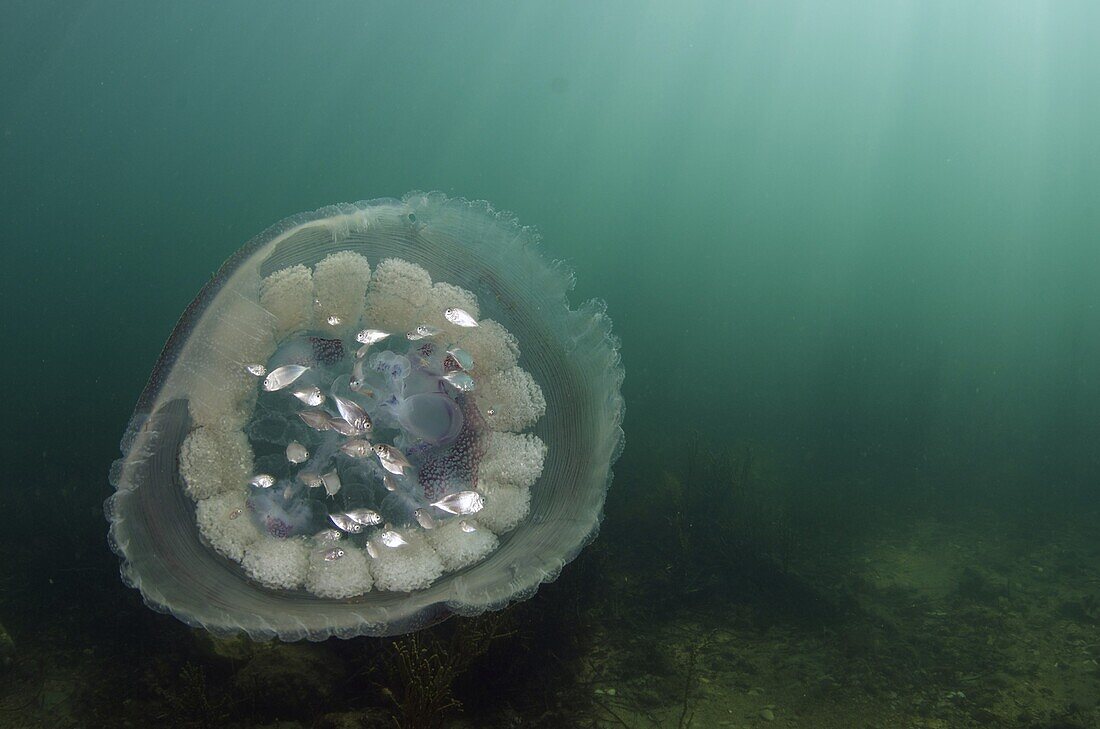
{"x":394,"y":366}
{"x":327,"y":351}
{"x":456,"y":469}
{"x":278,"y":528}
{"x":418,"y":448}
{"x":279,"y":516}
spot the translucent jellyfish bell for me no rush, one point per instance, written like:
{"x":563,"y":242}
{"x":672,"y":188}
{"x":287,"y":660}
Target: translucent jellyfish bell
{"x":456,"y":467}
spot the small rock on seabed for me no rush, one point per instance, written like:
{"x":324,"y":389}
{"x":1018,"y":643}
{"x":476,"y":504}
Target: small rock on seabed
{"x":7,"y":649}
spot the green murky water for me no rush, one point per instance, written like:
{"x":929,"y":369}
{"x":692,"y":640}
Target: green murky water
{"x":852,"y":253}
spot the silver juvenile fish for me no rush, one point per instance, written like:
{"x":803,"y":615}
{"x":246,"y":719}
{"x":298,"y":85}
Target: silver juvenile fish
{"x":256,"y":369}
{"x":352,"y":413}
{"x":391,"y":459}
{"x":316,"y":419}
{"x":462,"y":502}
{"x":424,"y":519}
{"x":334,"y":554}
{"x":459,"y":317}
{"x":357,"y":375}
{"x":331,"y":482}
{"x":366,"y":517}
{"x":311,"y":479}
{"x":356,"y":448}
{"x":343,"y":427}
{"x":372,"y":550}
{"x":283,"y":376}
{"x":394,"y":468}
{"x":296,"y":452}
{"x":262,"y":480}
{"x":467,"y":526}
{"x":391,"y":538}
{"x":311,"y":396}
{"x":462,"y":358}
{"x":422,"y":331}
{"x":462,"y":381}
{"x":371,"y":336}
{"x":327,"y":536}
{"x":346,"y":523}
{"x":388,"y":482}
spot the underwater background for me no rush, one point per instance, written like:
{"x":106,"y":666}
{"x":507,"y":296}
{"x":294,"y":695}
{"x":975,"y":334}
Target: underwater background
{"x":852,"y":251}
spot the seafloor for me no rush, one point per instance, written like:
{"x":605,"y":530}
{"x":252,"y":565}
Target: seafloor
{"x":977,"y":620}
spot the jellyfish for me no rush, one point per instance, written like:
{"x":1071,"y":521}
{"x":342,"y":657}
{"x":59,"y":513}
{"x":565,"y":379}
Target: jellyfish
{"x":374,"y":416}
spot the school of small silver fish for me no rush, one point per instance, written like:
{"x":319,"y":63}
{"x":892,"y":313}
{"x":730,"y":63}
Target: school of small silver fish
{"x":354,"y":423}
